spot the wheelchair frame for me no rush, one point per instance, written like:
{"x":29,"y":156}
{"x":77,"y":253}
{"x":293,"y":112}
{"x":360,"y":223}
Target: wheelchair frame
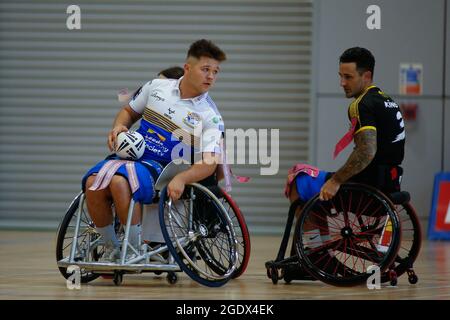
{"x":171,"y":264}
{"x":295,"y":268}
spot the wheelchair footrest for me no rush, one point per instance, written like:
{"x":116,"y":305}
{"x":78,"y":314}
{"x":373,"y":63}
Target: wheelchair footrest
{"x":281,"y":263}
{"x":291,"y":269}
{"x":101,"y":267}
{"x":294,"y":271}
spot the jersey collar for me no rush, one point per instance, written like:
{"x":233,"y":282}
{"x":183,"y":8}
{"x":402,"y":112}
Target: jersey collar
{"x":366,"y":90}
{"x":194,"y":100}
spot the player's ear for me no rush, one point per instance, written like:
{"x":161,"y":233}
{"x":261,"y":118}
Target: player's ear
{"x":367,"y":75}
{"x":186,"y":67}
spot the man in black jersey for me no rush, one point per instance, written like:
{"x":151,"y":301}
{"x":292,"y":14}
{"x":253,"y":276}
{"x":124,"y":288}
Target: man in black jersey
{"x":378,"y":132}
{"x":378,"y":129}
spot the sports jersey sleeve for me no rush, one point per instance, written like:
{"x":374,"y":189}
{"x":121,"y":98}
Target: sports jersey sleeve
{"x":140,"y":99}
{"x":212,"y":133}
{"x":366,"y":118}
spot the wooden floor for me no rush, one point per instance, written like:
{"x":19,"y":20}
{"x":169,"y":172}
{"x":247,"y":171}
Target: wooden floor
{"x":28,"y":271}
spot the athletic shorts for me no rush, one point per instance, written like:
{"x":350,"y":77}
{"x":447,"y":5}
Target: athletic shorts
{"x":147,"y":173}
{"x":308,"y":187}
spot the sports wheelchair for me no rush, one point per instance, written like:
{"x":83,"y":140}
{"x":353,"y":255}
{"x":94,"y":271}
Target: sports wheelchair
{"x":204,"y":231}
{"x":359,"y":228}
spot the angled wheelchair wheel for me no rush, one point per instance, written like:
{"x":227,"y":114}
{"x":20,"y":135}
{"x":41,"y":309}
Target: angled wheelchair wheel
{"x":359,"y":228}
{"x":87,"y":248}
{"x":410,"y":243}
{"x":241,"y":232}
{"x":199,"y":235}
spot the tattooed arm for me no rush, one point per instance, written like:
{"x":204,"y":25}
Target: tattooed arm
{"x":360,"y":158}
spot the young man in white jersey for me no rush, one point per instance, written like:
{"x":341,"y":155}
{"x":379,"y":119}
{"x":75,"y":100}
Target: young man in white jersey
{"x":165,"y":106}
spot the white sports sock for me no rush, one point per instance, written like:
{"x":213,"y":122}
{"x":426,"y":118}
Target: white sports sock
{"x":109,"y":236}
{"x":134,"y":236}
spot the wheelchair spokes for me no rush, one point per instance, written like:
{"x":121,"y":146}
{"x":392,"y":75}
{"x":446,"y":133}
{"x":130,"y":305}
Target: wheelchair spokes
{"x":410,"y":243}
{"x":199,"y":235}
{"x":87,"y":241}
{"x":338,"y":240}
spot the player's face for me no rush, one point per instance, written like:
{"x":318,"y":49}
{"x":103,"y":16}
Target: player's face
{"x":201,"y":73}
{"x":352,"y":81}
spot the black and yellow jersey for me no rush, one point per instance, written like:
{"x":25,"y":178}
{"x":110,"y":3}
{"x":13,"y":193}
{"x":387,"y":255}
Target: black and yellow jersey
{"x":374,"y":110}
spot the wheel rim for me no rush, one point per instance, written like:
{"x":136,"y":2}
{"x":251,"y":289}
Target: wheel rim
{"x":411,"y":240}
{"x":86,"y":233}
{"x":241,"y":232}
{"x":184,"y":242}
{"x":353,"y":236}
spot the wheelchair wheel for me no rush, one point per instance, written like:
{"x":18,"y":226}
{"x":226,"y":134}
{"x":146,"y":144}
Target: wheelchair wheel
{"x":199,"y":235}
{"x":241,"y":232}
{"x":86,"y":249}
{"x":358,"y":228}
{"x":410,"y":243}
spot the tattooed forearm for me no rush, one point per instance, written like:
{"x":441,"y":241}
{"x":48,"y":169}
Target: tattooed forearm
{"x":360,"y":158}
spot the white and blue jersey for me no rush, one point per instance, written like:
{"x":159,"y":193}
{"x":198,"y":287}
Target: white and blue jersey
{"x":168,"y":120}
{"x":172,"y":128}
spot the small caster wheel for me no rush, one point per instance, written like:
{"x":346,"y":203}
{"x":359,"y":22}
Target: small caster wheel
{"x":158,"y":273}
{"x":172,"y":278}
{"x":269,"y":274}
{"x":118,"y":278}
{"x":413,"y":279}
{"x":287,"y":277}
{"x":393,"y":282}
{"x":393,"y":278}
{"x":274,"y":275}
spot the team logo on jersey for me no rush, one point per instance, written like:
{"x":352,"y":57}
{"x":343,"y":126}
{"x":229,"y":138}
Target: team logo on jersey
{"x":169,"y":115}
{"x":192,"y":119}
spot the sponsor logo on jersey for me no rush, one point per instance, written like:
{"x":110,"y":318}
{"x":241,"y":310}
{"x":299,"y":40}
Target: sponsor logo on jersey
{"x":157,"y":98}
{"x":162,"y":138}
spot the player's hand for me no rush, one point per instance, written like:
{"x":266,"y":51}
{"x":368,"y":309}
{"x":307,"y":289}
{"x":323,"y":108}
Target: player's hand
{"x":112,"y":136}
{"x":175,"y":188}
{"x":329,"y":190}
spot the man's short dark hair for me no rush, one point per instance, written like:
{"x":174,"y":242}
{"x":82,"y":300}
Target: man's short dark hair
{"x":174,"y":72}
{"x":363,"y":58}
{"x":205,"y":48}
